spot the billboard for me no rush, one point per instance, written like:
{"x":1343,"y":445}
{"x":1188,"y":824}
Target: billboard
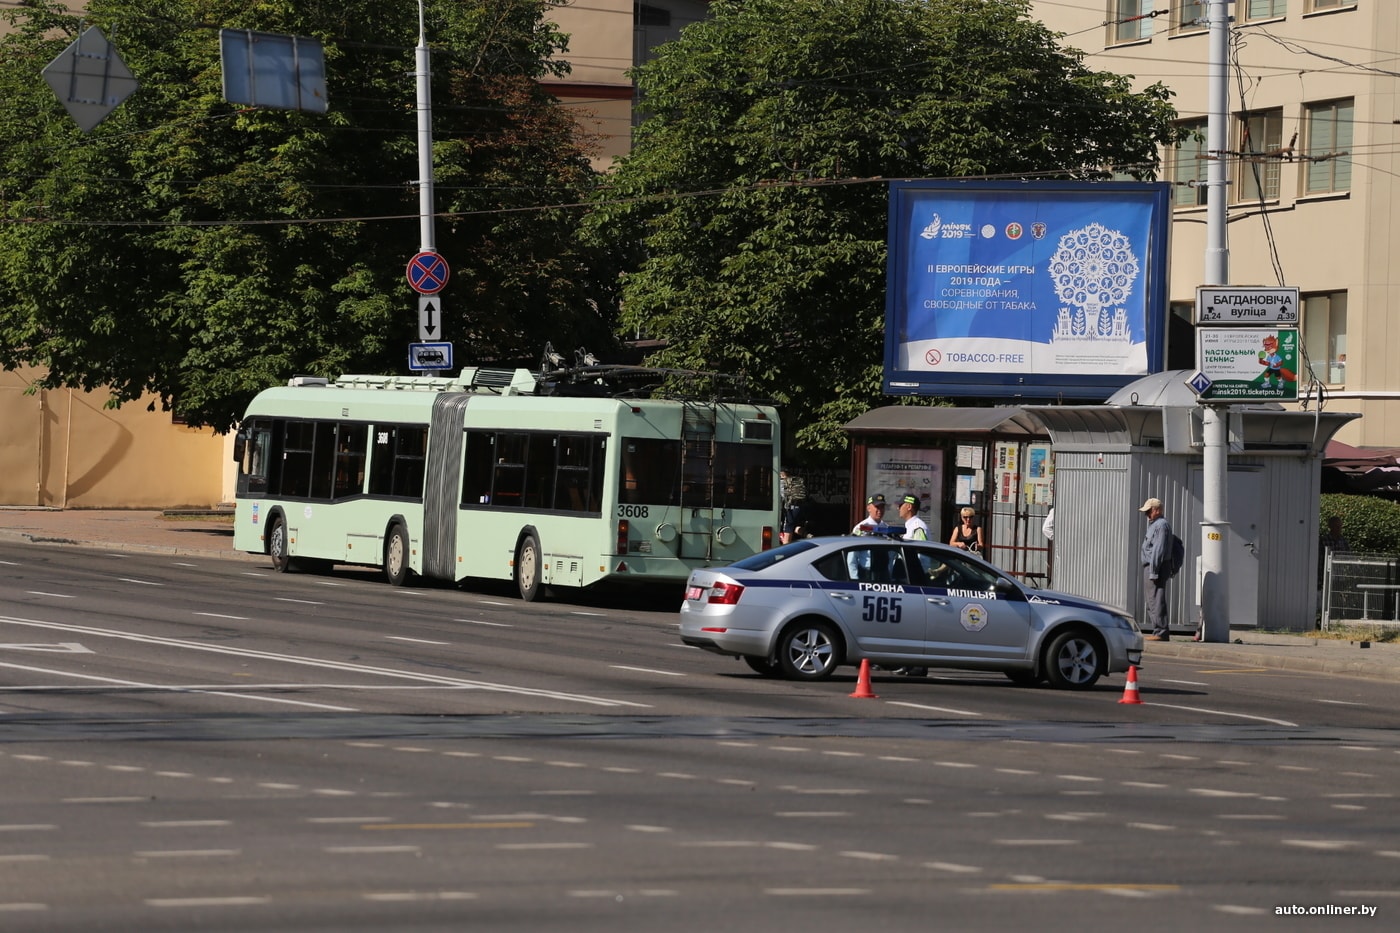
{"x":1025,"y":289}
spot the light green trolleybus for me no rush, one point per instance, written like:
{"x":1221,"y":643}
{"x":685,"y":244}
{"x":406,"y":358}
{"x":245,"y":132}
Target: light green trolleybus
{"x":557,"y":479}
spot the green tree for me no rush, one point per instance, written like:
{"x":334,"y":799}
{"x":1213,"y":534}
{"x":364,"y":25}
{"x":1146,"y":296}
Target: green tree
{"x":755,"y":186}
{"x":203,"y":251}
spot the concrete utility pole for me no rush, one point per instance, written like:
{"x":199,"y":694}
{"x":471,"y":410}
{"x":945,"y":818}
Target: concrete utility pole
{"x":1215,"y":527}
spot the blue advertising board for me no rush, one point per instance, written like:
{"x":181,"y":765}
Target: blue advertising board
{"x":1025,"y":289}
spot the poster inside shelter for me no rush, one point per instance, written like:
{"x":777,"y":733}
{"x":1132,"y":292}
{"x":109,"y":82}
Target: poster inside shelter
{"x":1035,"y":284}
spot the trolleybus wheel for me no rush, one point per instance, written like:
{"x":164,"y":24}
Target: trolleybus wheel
{"x":396,"y":556}
{"x":277,"y":545}
{"x":527,"y":569}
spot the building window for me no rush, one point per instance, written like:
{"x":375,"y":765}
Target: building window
{"x":1264,"y":9}
{"x":651,"y":16}
{"x":1325,"y":336}
{"x":1189,"y":15}
{"x":1261,"y":133}
{"x":1328,"y":145}
{"x":1329,"y":4}
{"x":1188,"y":168}
{"x":1129,"y":21}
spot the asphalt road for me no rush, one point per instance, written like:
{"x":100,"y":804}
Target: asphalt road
{"x":203,"y":744}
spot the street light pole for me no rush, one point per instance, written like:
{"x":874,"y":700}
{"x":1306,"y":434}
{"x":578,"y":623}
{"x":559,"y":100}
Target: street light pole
{"x":1215,"y":527}
{"x":423,"y":74}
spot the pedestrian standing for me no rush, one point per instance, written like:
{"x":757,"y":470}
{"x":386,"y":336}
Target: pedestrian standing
{"x":1156,"y":569}
{"x":914,"y":527}
{"x":794,"y":519}
{"x":874,"y":516}
{"x":967,"y":535}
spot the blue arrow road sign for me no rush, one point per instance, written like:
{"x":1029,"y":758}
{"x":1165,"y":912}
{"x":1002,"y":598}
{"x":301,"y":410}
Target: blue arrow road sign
{"x":427,"y":273}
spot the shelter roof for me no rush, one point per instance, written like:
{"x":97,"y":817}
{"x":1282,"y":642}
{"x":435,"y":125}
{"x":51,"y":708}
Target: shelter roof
{"x":923,"y":419}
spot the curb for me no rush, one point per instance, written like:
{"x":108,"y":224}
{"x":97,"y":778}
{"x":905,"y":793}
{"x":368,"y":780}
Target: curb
{"x":1359,"y":667}
{"x":169,"y":551}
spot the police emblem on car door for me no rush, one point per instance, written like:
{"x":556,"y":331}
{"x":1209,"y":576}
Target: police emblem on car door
{"x":967,"y":616}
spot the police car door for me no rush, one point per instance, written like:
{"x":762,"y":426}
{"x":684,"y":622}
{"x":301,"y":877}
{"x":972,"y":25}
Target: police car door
{"x":968,"y":617}
{"x":867,"y":587}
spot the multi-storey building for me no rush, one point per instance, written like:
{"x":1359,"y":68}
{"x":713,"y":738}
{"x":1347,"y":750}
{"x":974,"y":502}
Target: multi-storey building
{"x":1313,"y":163}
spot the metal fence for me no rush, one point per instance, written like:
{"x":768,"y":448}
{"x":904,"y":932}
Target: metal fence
{"x":1359,"y":588}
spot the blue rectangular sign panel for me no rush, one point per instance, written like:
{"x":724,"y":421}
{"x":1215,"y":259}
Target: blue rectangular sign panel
{"x":1025,"y":289}
{"x":434,"y":355}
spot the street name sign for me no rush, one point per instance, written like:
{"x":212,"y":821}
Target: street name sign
{"x":1246,"y":304}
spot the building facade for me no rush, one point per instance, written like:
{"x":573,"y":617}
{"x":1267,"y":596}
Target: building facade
{"x":1313,"y":164}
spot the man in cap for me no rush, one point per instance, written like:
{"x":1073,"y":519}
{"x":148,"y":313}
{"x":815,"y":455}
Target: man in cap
{"x":1156,"y":569}
{"x":874,"y":515}
{"x":914,"y":527}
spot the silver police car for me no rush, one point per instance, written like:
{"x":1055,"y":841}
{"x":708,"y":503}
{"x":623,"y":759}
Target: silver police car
{"x":806,"y":608}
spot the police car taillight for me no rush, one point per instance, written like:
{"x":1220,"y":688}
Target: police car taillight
{"x":725,"y":594}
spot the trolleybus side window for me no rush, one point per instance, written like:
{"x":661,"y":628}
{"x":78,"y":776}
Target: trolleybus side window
{"x":323,"y":460}
{"x":398,"y":460}
{"x":351,"y":442}
{"x":508,"y":485}
{"x":254,"y":446}
{"x":541,"y":471}
{"x":297,"y":443}
{"x":578,"y":480}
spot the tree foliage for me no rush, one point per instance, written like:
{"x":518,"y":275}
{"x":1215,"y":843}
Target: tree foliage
{"x":755,"y":186}
{"x":202,"y":251}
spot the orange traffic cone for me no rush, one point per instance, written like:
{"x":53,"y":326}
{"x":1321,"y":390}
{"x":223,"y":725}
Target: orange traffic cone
{"x":1130,"y":690}
{"x":863,"y":690}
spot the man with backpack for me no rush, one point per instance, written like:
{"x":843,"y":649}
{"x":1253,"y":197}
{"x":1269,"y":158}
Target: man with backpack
{"x":1157,"y":569}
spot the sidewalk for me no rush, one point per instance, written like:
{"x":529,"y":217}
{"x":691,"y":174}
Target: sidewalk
{"x":207,"y":534}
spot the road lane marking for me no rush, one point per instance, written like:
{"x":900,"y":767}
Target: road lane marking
{"x":416,"y":641}
{"x":302,"y":602}
{"x":646,"y":670}
{"x":231,"y":651}
{"x":62,"y":647}
{"x":498,"y":824}
{"x":112,"y":681}
{"x":220,"y":615}
{"x":480,"y":622}
{"x":936,"y":709}
{"x":206,"y":901}
{"x":1221,"y":712}
{"x":186,"y":853}
{"x":141,"y":582}
{"x":53,"y":595}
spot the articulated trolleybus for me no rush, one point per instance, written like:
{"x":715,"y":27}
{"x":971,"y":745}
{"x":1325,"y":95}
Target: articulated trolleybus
{"x":554,"y":479}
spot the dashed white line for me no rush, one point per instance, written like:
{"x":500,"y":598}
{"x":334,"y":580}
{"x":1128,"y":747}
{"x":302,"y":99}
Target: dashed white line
{"x":206,"y":901}
{"x":186,"y":853}
{"x":416,"y":641}
{"x":646,"y":670}
{"x":936,"y":709}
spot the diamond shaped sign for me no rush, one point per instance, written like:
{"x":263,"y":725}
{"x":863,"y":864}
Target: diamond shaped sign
{"x":90,"y":78}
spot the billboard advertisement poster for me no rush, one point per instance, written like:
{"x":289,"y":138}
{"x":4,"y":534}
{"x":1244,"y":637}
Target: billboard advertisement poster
{"x":1248,"y":364}
{"x":1025,"y":289}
